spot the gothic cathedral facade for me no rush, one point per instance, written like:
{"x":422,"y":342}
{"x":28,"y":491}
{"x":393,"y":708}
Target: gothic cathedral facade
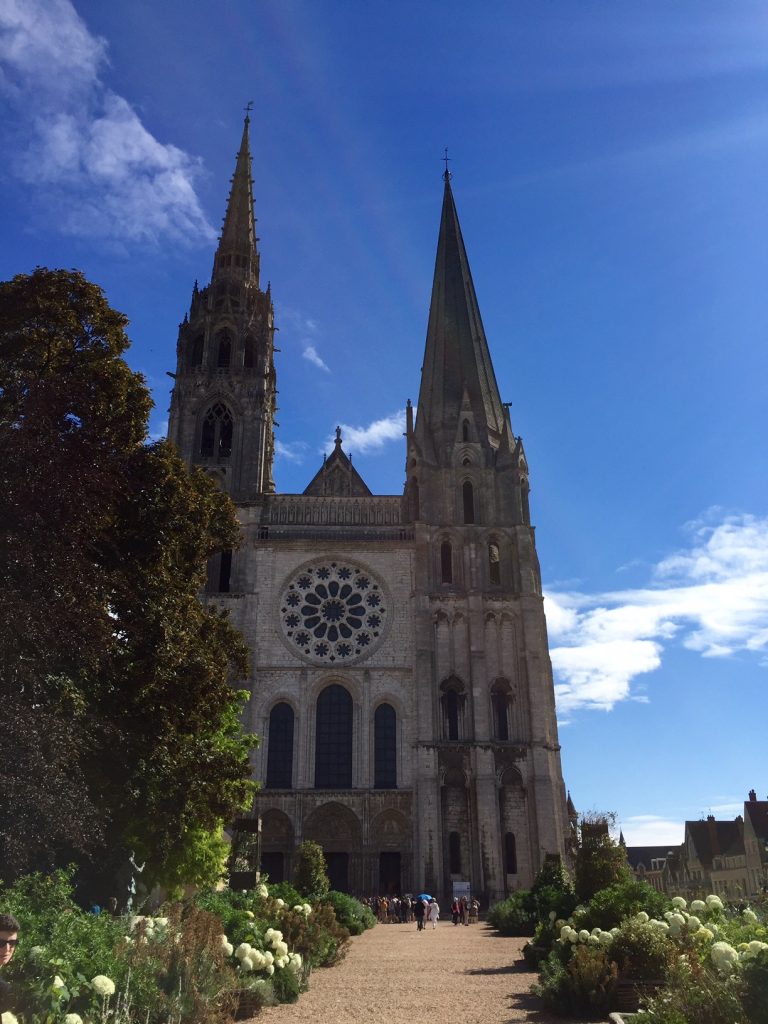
{"x":400,"y":676}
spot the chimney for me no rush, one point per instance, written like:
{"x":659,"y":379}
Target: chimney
{"x":752,"y":796}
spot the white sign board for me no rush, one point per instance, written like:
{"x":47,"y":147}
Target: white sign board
{"x":461,"y":889}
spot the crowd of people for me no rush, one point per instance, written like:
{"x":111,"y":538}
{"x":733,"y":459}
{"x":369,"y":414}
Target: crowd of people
{"x":422,"y":909}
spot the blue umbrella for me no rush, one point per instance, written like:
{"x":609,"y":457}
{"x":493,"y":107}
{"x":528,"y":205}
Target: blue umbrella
{"x":423,"y":896}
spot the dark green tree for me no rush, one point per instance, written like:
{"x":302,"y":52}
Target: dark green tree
{"x":310,"y":876}
{"x":123,"y":723}
{"x":600,"y":860}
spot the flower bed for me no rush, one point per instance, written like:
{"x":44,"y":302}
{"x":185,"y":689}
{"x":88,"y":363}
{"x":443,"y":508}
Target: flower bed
{"x":203,"y":961}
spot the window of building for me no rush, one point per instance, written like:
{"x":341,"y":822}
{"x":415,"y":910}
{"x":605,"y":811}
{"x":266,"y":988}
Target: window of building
{"x":225,"y":571}
{"x":468,"y":496}
{"x":451,"y":713}
{"x":280,"y":749}
{"x":333,"y":739}
{"x":454,"y":853}
{"x":446,"y":562}
{"x":494,"y":563}
{"x":510,"y":853}
{"x":216,"y":436}
{"x":385,"y":747}
{"x":465,"y":430}
{"x":500,"y":704}
{"x":224,"y":352}
{"x":249,"y":354}
{"x":196,"y":351}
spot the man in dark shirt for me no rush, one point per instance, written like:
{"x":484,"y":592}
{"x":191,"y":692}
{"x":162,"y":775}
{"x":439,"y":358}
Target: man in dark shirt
{"x":9,"y":938}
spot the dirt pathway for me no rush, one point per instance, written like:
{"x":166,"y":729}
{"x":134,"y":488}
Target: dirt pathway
{"x":395,"y":974}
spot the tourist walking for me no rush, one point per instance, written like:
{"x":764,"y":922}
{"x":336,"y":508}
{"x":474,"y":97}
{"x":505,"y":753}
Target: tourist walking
{"x":456,"y":910}
{"x":434,"y":913}
{"x":419,"y":911}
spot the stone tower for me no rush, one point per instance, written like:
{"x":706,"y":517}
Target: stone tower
{"x":400,"y":677}
{"x":223,"y":404}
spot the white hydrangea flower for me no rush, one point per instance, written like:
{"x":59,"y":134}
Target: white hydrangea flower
{"x":279,"y":902}
{"x":161,"y":922}
{"x":103,"y":985}
{"x":246,"y":964}
{"x":755,"y":946}
{"x":8,"y":1018}
{"x":250,"y":914}
{"x":643,"y":917}
{"x":243,"y":950}
{"x":73,"y":1018}
{"x":693,"y":924}
{"x":269,"y":958}
{"x":705,"y":934}
{"x":299,"y":908}
{"x":262,"y":891}
{"x":583,"y":935}
{"x":676,"y":924}
{"x":257,"y":959}
{"x":565,"y":931}
{"x":605,"y":938}
{"x":58,"y":982}
{"x":724,"y":957}
{"x":270,"y":970}
{"x":307,"y":908}
{"x":749,"y":915}
{"x":698,"y":907}
{"x":714,"y":902}
{"x":679,"y":902}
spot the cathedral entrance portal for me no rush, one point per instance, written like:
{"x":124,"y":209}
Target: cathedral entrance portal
{"x":389,"y":874}
{"x":337,"y":865}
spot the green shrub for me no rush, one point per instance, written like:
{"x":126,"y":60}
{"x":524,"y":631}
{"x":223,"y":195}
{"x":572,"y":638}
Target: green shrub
{"x":696,"y":995}
{"x":515,"y":915}
{"x":755,"y":988}
{"x":582,"y":987}
{"x":610,"y":906}
{"x":286,"y":892}
{"x":641,"y":952}
{"x":350,"y":913}
{"x":310,"y":876}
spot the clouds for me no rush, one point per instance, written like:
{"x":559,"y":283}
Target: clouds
{"x":104,"y":175}
{"x":311,"y":355}
{"x":374,"y":437}
{"x":651,"y":830}
{"x":712,"y":597}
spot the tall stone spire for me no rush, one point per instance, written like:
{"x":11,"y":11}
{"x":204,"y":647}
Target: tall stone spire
{"x":457,"y":370}
{"x":237,"y":253}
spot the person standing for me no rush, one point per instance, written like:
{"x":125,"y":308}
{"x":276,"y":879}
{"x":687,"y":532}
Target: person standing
{"x":419,"y":910}
{"x":434,"y":913}
{"x":9,"y":940}
{"x":456,"y":910}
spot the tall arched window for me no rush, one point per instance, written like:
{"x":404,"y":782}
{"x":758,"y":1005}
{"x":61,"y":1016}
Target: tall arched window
{"x":454,"y":853}
{"x":249,"y":354}
{"x":333,"y":739}
{"x":468,"y":496}
{"x":196,"y":350}
{"x":465,"y":430}
{"x":225,"y":572}
{"x":510,"y":853}
{"x":385,"y":747}
{"x":500,"y":705}
{"x":451,"y":712}
{"x":224,"y":351}
{"x":446,"y":562}
{"x":494,"y":563}
{"x":280,"y":749}
{"x":216,"y":436}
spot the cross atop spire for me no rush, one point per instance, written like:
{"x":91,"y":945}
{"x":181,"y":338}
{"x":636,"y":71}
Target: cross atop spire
{"x":237,"y":253}
{"x":446,"y":173}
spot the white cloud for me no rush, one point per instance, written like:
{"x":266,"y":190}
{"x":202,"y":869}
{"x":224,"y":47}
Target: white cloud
{"x":311,"y":355}
{"x":291,"y":451}
{"x":373,"y":437}
{"x":650,"y":830}
{"x":712,"y":597}
{"x":103,"y":174}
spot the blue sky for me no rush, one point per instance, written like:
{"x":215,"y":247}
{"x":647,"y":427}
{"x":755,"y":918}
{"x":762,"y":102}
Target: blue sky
{"x":609,"y":165}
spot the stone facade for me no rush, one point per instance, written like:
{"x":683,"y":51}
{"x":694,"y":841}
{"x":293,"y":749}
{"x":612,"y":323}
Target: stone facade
{"x":401,"y":680}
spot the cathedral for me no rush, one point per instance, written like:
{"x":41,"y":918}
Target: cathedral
{"x":400,"y":678}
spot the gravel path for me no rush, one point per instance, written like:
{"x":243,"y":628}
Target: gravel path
{"x":395,"y":974}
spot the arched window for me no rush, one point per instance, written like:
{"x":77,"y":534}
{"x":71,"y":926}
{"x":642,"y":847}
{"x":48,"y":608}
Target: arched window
{"x":280,"y":749}
{"x":224,"y":351}
{"x":196,"y":350}
{"x":494,"y":563}
{"x":451,"y":712}
{"x":333,"y":739}
{"x":249,"y":354}
{"x":446,"y":562}
{"x":465,"y":430}
{"x":510,"y":853}
{"x":500,"y":704}
{"x":454,"y":853}
{"x":225,"y":571}
{"x":385,"y":747}
{"x":216,"y":436}
{"x":468,"y":496}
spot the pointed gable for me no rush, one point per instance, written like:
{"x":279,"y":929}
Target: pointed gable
{"x":457,"y":363}
{"x":337,"y":477}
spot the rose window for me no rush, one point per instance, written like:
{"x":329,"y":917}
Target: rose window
{"x":333,"y":612}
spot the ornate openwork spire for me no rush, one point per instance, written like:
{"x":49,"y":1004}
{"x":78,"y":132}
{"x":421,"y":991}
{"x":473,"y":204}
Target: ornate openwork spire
{"x":237,"y":252}
{"x":456,"y":358}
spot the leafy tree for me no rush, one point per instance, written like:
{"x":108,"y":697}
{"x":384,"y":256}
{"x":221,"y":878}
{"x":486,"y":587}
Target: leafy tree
{"x":116,"y":680}
{"x":600,"y":861}
{"x":310,"y":876}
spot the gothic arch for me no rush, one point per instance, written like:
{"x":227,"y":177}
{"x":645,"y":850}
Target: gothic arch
{"x":334,"y":827}
{"x":390,"y":828}
{"x":453,"y":706}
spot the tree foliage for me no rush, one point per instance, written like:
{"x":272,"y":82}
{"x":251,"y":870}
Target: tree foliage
{"x":600,"y":860}
{"x":310,"y":876}
{"x":116,"y":679}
